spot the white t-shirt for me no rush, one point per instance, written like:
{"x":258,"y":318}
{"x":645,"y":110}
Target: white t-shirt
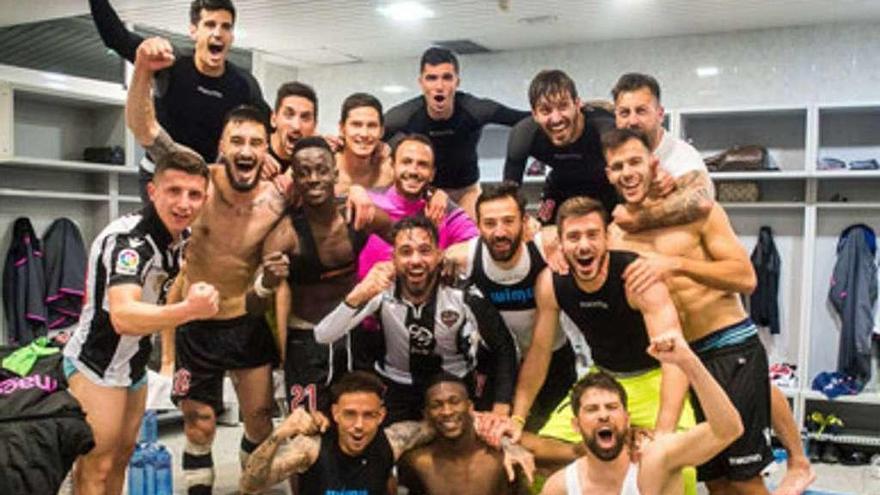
{"x":678,"y":157}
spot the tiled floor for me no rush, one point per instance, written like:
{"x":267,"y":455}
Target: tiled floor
{"x":831,"y":478}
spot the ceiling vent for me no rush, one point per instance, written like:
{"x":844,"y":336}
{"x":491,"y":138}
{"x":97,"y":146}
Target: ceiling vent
{"x":462,"y":47}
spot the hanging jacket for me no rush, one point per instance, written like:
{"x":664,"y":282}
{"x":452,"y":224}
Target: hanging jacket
{"x":42,"y":428}
{"x":64,"y":257}
{"x":853,"y":292}
{"x":24,"y":286}
{"x":764,"y":301}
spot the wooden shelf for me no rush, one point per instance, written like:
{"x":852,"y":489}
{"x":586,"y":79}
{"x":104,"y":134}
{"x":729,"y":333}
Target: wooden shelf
{"x":846,"y":205}
{"x":765,"y":175}
{"x":776,"y":205}
{"x":129,"y":199}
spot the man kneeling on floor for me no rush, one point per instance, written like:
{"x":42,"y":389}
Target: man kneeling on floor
{"x":620,"y":461}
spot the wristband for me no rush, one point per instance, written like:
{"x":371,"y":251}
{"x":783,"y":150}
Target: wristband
{"x":516,"y":418}
{"x":259,"y":290}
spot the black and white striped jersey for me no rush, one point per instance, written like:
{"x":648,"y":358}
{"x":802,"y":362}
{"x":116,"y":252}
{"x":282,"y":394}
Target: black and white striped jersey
{"x":134,"y":249}
{"x":442,"y":334}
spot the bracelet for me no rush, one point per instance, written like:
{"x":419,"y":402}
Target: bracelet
{"x":259,"y":289}
{"x":516,"y":418}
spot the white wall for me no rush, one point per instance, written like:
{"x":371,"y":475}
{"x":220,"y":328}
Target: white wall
{"x":776,"y":66}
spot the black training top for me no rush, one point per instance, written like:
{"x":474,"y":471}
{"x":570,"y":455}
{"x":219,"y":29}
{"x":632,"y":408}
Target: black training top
{"x":306,"y":267}
{"x":189,"y":105}
{"x":577,"y":169}
{"x":336,"y":473}
{"x":455,"y":140}
{"x":513,"y":297}
{"x":615,"y":332}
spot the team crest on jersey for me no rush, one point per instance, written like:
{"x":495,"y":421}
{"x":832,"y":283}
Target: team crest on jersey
{"x":449,"y":317}
{"x":127,"y":262}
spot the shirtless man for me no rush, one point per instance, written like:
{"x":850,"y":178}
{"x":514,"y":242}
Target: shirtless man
{"x":131,"y":264}
{"x":684,"y":175}
{"x":505,"y":266}
{"x":637,"y":106}
{"x":706,"y":269}
{"x":620,"y":462}
{"x":456,"y":462}
{"x":362,"y":159}
{"x":323,"y":249}
{"x":224,"y":250}
{"x":453,"y":120}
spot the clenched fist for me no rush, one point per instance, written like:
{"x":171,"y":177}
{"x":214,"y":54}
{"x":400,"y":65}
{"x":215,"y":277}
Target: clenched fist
{"x":202,"y":301}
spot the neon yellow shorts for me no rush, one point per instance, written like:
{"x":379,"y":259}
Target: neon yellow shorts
{"x":643,"y":403}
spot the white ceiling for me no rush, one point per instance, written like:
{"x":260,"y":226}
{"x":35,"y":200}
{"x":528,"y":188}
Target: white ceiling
{"x":303,"y":32}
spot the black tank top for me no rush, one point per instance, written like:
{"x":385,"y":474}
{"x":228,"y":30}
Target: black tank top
{"x":614,"y":331}
{"x":335,"y":472}
{"x":306,"y":268}
{"x":513,"y":297}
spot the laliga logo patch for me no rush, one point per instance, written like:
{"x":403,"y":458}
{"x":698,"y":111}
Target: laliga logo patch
{"x":449,"y":317}
{"x":127,"y":262}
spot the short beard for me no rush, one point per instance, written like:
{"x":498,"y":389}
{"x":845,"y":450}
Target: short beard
{"x":238,"y":186}
{"x":607,"y":454}
{"x":419,"y":293}
{"x":514,"y":247}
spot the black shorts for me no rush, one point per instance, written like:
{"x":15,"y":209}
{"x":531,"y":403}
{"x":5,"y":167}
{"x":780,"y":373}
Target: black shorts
{"x":307,"y":371}
{"x":552,"y":198}
{"x":742,"y":371}
{"x":207,"y":349}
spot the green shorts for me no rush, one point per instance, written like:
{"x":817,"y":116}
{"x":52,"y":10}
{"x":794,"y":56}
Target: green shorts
{"x":643,"y":403}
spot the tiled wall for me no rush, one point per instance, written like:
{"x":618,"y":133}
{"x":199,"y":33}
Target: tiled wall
{"x":837,"y":62}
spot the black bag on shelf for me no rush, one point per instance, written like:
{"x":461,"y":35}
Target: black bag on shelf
{"x":114,"y":155}
{"x":749,"y":158}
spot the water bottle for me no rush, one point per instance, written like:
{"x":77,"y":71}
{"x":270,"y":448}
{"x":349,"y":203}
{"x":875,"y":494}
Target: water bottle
{"x":149,"y":432}
{"x":871,"y":476}
{"x":150,"y":469}
{"x":136,"y":472}
{"x":164,"y":476}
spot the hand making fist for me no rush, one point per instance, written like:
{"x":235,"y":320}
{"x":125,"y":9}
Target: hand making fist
{"x":154,"y":54}
{"x":202,"y":301}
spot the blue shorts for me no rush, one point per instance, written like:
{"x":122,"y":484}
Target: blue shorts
{"x":70,"y":370}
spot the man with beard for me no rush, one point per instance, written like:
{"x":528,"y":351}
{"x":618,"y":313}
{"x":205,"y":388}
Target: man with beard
{"x":427,"y":326}
{"x":453,"y":120}
{"x":456,"y":461}
{"x":194,"y":92}
{"x":637,"y":106}
{"x":505,"y":267}
{"x":413,"y":164}
{"x":619,"y":461}
{"x":354,"y":456}
{"x":224,"y":250}
{"x":706,"y":269}
{"x":564,"y":134}
{"x":599,"y":312}
{"x":322,"y":248}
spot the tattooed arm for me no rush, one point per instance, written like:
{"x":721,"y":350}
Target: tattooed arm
{"x":691,"y":200}
{"x":407,"y":435}
{"x":264,"y":469}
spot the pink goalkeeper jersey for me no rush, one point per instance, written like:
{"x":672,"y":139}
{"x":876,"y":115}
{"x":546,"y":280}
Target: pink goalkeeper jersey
{"x":456,"y":226}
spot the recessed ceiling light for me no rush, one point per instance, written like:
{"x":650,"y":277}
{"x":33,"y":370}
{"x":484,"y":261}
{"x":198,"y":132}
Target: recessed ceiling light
{"x":394,"y":89}
{"x":710,"y":71}
{"x":538,"y":19}
{"x":405,"y":11}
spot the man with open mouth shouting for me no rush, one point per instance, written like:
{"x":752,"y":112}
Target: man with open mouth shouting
{"x":453,"y":120}
{"x":427,"y":326}
{"x":620,"y":462}
{"x":224,"y":251}
{"x":193,"y":92}
{"x":598,"y":311}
